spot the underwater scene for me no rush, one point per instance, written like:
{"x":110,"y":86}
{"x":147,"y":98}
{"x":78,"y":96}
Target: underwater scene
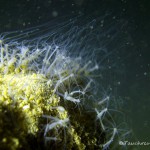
{"x":74,"y":75}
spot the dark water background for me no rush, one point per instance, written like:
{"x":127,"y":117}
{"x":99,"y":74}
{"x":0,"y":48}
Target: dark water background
{"x":134,"y":81}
